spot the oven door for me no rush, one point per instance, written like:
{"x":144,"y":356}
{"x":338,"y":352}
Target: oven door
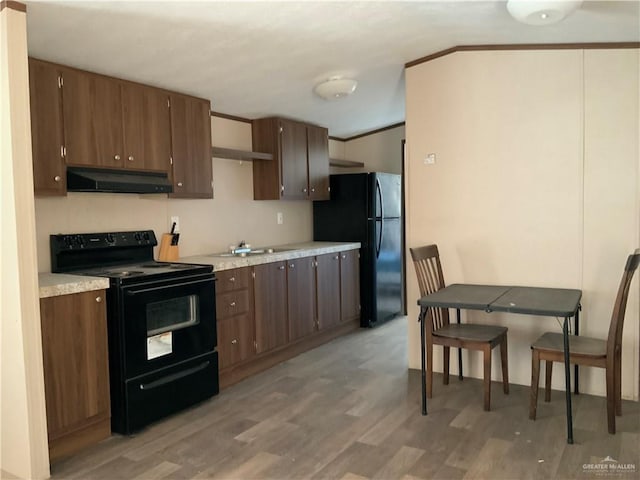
{"x":167,"y":321}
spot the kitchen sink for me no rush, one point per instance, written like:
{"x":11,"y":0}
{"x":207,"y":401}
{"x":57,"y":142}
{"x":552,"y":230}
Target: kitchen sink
{"x":257,"y":251}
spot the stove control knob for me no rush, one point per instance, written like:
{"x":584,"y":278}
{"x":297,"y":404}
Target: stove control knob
{"x":137,"y":236}
{"x":68,"y":241}
{"x":110,"y":238}
{"x":145,"y":235}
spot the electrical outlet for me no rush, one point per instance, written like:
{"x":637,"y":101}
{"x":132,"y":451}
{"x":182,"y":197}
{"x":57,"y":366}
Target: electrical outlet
{"x":430,"y":159}
{"x":175,"y":220}
{"x":279,"y":218}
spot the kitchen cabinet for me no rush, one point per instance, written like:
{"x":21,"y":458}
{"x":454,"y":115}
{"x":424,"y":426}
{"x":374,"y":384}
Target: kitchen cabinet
{"x":80,"y":118}
{"x":92,"y":116}
{"x":49,"y":168}
{"x":76,"y":371}
{"x":350,"y":285}
{"x":234,"y":315}
{"x":191,"y":147}
{"x":300,"y":169}
{"x":270,"y":301}
{"x":301,"y":297}
{"x":328,"y":289}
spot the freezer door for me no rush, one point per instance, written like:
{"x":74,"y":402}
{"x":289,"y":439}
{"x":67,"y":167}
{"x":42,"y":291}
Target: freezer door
{"x":387,"y":195}
{"x":388,"y":269}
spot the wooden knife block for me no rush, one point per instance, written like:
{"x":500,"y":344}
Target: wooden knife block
{"x":168,"y":252}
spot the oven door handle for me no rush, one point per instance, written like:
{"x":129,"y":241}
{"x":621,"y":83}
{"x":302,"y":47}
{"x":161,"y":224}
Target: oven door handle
{"x":174,"y":376}
{"x":164,"y":287}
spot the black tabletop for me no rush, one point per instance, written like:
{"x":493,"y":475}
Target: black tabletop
{"x":465,"y":296}
{"x":548,"y":302}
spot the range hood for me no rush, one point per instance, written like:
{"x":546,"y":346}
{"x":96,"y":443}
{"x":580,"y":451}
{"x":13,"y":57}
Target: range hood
{"x":118,"y":181}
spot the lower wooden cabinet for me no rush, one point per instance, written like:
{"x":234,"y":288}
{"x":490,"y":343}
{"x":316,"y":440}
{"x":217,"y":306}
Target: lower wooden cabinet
{"x":271,"y":312}
{"x":76,"y":371}
{"x":349,"y":285}
{"x":234,"y":314}
{"x":270,"y":297}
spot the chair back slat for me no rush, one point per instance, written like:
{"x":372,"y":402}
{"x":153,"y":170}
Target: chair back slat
{"x":426,"y":261}
{"x":614,"y":340}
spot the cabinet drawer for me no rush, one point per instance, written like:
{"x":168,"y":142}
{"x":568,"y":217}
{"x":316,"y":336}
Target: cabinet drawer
{"x":235,"y":279}
{"x":232,"y":303}
{"x":235,"y":339}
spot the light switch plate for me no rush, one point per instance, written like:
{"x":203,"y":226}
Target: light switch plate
{"x":279,"y":218}
{"x":430,"y":159}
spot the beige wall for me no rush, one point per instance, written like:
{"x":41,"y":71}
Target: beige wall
{"x":535,"y":183}
{"x":206,"y":226}
{"x":23,"y":434}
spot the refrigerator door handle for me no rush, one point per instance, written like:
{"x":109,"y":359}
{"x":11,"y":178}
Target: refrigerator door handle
{"x":379,"y":193}
{"x":379,"y":245}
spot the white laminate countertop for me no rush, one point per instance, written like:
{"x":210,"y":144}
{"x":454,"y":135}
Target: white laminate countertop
{"x":226,"y":261}
{"x":55,"y":284}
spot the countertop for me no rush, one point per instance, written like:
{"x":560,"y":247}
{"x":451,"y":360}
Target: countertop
{"x":225,"y":261}
{"x":55,"y":284}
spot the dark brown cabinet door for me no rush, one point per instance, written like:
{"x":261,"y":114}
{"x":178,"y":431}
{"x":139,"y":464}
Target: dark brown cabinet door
{"x":92,"y":112}
{"x":235,"y":339}
{"x":293,"y":150}
{"x":350,"y":285}
{"x":147,"y":128}
{"x":328,"y":289}
{"x":49,"y":168}
{"x":76,"y":374}
{"x":270,"y":303}
{"x":301,"y":288}
{"x":318,"y":159}
{"x":191,"y":147}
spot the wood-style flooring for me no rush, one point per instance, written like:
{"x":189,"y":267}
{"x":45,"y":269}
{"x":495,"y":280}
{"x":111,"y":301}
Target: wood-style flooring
{"x":350,"y":409}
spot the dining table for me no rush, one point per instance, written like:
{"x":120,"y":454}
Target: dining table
{"x":535,"y":301}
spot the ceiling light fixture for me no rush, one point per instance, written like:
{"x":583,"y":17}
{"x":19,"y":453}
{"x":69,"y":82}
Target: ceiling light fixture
{"x":335,"y":87}
{"x":541,"y":12}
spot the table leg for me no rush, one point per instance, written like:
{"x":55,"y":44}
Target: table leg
{"x":421,"y":319}
{"x":567,"y":379}
{"x":459,"y":350}
{"x":576,"y":390}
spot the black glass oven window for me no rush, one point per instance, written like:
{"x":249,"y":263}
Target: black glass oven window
{"x":172,"y":314}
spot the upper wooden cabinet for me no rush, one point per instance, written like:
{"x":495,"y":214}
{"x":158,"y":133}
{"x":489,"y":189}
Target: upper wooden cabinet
{"x":81,"y":118}
{"x":191,"y":139}
{"x":49,"y":168}
{"x":300,"y":169}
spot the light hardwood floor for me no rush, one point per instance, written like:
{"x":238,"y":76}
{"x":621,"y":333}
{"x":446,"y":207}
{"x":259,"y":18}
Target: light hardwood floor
{"x":350,"y":409}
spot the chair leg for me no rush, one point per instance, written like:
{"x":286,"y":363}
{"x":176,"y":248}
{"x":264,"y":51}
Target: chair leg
{"x":618,"y":382}
{"x":611,"y":397}
{"x":429,"y":369}
{"x":535,"y":379}
{"x":548,"y":370}
{"x":487,"y":377}
{"x":445,"y":361}
{"x":504,"y":360}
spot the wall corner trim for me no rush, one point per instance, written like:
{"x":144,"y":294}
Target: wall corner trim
{"x":366,"y":134}
{"x":13,"y":5}
{"x":523,"y":46}
{"x":230,"y":117}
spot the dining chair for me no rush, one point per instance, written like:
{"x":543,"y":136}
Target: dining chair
{"x":591,"y":352}
{"x":439,"y":331}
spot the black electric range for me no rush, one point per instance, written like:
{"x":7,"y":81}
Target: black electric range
{"x":161,"y":323}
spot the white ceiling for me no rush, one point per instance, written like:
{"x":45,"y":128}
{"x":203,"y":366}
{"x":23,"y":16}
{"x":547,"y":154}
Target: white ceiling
{"x":254,"y":59}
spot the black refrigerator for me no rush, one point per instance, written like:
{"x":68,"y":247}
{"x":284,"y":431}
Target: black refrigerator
{"x":367,"y":208}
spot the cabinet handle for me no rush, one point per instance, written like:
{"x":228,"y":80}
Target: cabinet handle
{"x":117,"y":157}
{"x":336,"y":257}
{"x":232,"y":304}
{"x":179,"y":184}
{"x":344,"y":256}
{"x":98,"y":299}
{"x":57,"y":178}
{"x":234,"y":341}
{"x":232,"y":279}
{"x":304,"y":190}
{"x":130,"y":158}
{"x":281,"y":267}
{"x":313,"y":189}
{"x":292,"y":265}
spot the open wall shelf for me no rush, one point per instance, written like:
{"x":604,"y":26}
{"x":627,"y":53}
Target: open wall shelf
{"x":337,"y":162}
{"x":242,"y":155}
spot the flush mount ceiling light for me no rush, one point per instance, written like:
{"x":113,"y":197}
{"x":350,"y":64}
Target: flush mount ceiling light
{"x":541,"y":12}
{"x":335,"y":87}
